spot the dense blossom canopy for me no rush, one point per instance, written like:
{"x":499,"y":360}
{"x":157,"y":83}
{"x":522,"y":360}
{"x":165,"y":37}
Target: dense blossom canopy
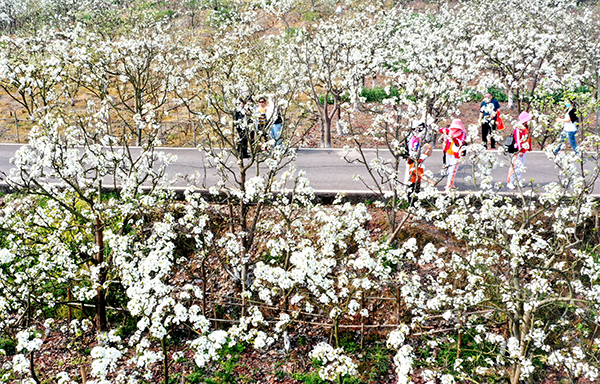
{"x":511,"y":292}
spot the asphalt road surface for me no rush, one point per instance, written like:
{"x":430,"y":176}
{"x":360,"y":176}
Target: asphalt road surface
{"x":329,"y":173}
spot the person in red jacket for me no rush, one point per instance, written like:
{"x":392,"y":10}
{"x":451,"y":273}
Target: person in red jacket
{"x":523,"y":144}
{"x":455,"y":139}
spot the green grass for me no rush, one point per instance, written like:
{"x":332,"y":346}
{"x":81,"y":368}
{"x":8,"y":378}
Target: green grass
{"x":308,"y":378}
{"x":378,"y":94}
{"x":224,"y":372}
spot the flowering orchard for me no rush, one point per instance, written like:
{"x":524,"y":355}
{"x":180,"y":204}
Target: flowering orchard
{"x":144,"y":285}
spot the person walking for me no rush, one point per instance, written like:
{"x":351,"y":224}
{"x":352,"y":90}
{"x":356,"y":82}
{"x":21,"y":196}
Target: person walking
{"x":488,"y":110}
{"x":276,"y":127}
{"x":268,"y":118}
{"x":242,"y":125}
{"x":417,"y":150}
{"x":260,"y":113}
{"x":455,"y":136}
{"x":569,"y":130}
{"x":522,"y":139}
{"x":415,"y":172}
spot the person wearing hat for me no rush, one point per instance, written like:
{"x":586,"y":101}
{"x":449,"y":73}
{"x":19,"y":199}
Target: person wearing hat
{"x":455,"y":135}
{"x":523,"y":145}
{"x":488,"y":111}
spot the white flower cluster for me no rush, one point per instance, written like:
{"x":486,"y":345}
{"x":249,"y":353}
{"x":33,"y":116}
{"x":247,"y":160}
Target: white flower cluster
{"x":404,"y":363}
{"x":519,"y":259}
{"x":335,"y":362}
{"x":105,"y":361}
{"x":207,"y":347}
{"x":574,"y":361}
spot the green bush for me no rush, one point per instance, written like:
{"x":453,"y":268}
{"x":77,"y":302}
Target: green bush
{"x":498,"y":94}
{"x":308,"y":378}
{"x":378,"y":94}
{"x":311,"y":16}
{"x":8,"y":345}
{"x":196,"y":377}
{"x":331,"y":100}
{"x":164,"y":14}
{"x":476,"y":96}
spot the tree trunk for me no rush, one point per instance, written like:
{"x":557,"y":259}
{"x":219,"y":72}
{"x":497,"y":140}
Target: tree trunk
{"x":510,"y":103}
{"x":163,"y":343}
{"x":101,"y":322}
{"x":326,"y":133}
{"x":340,"y":130}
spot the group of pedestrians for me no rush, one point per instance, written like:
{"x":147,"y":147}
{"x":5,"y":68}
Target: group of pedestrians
{"x":489,"y":116}
{"x":455,"y":136}
{"x":253,"y":122}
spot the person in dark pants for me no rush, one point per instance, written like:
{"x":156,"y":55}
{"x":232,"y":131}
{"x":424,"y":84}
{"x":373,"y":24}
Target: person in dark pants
{"x":487,"y":117}
{"x":242,"y":124}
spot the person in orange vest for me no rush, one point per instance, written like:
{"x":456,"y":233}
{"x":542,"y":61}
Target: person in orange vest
{"x":415,"y":171}
{"x":455,"y":134}
{"x":523,"y":144}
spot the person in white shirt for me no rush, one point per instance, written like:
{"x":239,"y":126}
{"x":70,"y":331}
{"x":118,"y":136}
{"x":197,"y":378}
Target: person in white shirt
{"x":569,"y":128}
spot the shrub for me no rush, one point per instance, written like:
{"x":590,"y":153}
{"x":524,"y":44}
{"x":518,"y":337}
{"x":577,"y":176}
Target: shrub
{"x":378,"y":94}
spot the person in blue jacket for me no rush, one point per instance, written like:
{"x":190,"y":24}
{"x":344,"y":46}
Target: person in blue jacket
{"x":487,"y":118}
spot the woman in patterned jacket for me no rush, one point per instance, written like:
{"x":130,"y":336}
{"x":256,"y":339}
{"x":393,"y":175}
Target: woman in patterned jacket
{"x":523,"y":144}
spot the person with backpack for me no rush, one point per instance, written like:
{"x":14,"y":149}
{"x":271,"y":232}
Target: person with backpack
{"x":569,"y":127}
{"x":522,"y":143}
{"x":412,"y":145}
{"x":455,"y":135}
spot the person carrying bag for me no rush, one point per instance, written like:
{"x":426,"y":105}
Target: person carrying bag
{"x":522,"y":144}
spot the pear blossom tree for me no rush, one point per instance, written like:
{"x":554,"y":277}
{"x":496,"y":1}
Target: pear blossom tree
{"x":31,"y":70}
{"x":280,"y":9}
{"x":133,"y":71}
{"x":513,"y":286}
{"x":542,"y":51}
{"x":11,"y":11}
{"x":426,"y":57}
{"x":53,"y":168}
{"x":70,"y":237}
{"x":329,"y":275}
{"x":322,"y":59}
{"x":432,"y":61}
{"x":241,"y":66}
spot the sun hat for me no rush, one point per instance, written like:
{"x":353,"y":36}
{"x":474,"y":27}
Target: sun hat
{"x":524,"y":117}
{"x":457,"y":124}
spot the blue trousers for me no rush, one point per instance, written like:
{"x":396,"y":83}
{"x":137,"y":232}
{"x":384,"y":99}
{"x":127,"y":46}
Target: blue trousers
{"x":275,"y":133}
{"x":563,"y":136}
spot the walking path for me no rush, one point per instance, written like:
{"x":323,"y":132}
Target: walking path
{"x":329,"y":173}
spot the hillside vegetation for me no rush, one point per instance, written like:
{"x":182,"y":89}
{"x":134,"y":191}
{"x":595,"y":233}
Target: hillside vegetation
{"x":108,"y":276}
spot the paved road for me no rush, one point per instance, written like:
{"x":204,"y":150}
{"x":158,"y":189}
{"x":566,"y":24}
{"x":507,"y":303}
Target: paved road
{"x":329,"y":173}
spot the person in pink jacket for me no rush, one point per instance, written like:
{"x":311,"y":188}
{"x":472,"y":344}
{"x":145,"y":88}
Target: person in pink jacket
{"x":523,"y":144}
{"x":456,"y":135}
